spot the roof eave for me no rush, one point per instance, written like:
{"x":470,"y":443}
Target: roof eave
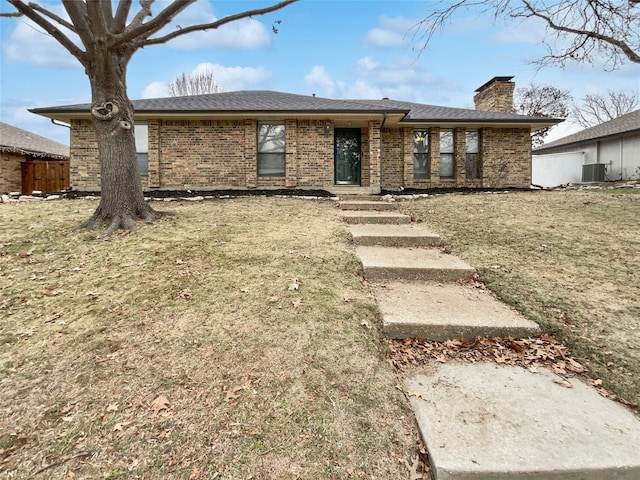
{"x":627,"y":133}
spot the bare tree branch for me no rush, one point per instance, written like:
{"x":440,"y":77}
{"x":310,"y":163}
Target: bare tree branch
{"x":53,"y":16}
{"x":137,"y":30}
{"x":597,"y":108}
{"x":122,"y":14}
{"x":51,"y":29}
{"x":194,"y":84}
{"x":78,"y":13}
{"x":587,"y":34}
{"x":216,"y":24}
{"x":96,"y":14}
{"x":603,"y":30}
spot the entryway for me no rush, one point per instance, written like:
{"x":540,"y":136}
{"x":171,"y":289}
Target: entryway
{"x":347,"y":156}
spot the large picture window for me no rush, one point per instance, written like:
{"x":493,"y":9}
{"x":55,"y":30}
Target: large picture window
{"x":271,"y":149}
{"x":472,"y":162}
{"x":141,"y":131}
{"x":447,"y":153}
{"x":421,"y":165}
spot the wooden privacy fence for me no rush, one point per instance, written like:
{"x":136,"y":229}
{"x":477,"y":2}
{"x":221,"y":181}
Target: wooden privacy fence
{"x":46,"y":176}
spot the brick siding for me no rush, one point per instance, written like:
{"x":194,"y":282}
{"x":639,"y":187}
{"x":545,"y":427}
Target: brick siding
{"x":221,"y":154}
{"x":10,"y":172}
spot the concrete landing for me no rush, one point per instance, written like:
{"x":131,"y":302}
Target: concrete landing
{"x":487,"y":422}
{"x":353,"y":217}
{"x":393,"y":236}
{"x":387,"y":263}
{"x":445,"y":311}
{"x":366,"y":205}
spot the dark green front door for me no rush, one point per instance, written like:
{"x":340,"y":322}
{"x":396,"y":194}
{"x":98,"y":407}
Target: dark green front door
{"x":348,"y":153}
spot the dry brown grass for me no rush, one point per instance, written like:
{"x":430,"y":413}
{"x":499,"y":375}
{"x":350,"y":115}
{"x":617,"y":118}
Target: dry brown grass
{"x":185,"y":351}
{"x":568,"y":260}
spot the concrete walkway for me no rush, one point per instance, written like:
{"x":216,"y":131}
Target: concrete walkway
{"x":483,"y":421}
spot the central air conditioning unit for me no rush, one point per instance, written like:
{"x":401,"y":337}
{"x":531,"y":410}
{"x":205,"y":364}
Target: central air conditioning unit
{"x":593,"y":172}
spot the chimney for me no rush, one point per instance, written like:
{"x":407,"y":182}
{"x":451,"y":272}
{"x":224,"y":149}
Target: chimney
{"x":496,"y":95}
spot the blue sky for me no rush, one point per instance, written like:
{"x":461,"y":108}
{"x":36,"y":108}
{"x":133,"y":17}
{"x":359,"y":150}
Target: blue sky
{"x":336,"y":49}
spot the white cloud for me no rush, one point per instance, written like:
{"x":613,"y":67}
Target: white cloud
{"x":390,"y":33}
{"x":377,"y":37}
{"x":155,"y":90}
{"x":318,"y":77}
{"x":28,"y":43}
{"x":239,"y":35}
{"x":399,"y":78}
{"x":228,"y":78}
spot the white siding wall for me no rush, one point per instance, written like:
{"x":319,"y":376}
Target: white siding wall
{"x":620,"y":155}
{"x":557,"y":168}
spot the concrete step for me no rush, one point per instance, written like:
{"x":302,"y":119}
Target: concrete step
{"x":438,"y":311}
{"x":354,"y":217}
{"x":389,"y":263}
{"x":410,"y":235}
{"x":376,"y":205}
{"x":484,"y":421}
{"x":360,"y":198}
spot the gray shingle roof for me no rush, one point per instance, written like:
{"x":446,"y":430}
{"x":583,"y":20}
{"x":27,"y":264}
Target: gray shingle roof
{"x":278,"y":102}
{"x":625,"y":124}
{"x":423,"y":112}
{"x":13,"y":139}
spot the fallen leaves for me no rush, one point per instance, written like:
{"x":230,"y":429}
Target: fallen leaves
{"x":159,"y":404}
{"x":530,"y":353}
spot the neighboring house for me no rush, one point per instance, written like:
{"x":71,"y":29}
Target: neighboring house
{"x":607,"y":152}
{"x":30,"y":162}
{"x":265,"y":139}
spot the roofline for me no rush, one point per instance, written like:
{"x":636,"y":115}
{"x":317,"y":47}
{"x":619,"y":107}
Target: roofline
{"x":393,"y":115}
{"x":612,"y":136}
{"x":33,"y":153}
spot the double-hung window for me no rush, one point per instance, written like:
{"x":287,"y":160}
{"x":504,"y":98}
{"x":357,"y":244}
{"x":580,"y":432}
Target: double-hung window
{"x":447,"y":153}
{"x":141,"y":131}
{"x":421,"y":165}
{"x":472,"y":162}
{"x":271,"y":149}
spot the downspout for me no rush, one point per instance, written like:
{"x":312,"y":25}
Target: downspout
{"x":60,"y":124}
{"x":621,"y":158}
{"x":384,"y":120}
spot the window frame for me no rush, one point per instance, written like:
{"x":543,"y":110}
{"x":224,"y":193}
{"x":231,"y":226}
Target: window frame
{"x":142,"y":147}
{"x":473,"y":159}
{"x":263,"y":153}
{"x":450,"y":154}
{"x":421,"y":173}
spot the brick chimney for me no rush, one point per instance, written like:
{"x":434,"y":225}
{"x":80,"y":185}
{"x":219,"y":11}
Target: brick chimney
{"x":496,"y":95}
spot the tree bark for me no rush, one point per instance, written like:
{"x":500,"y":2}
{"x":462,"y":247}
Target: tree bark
{"x":122,"y":202}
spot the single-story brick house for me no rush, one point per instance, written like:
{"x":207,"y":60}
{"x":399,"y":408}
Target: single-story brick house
{"x":31,"y":162}
{"x":266,"y":139}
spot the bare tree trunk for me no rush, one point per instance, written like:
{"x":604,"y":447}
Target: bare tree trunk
{"x":122,"y":201}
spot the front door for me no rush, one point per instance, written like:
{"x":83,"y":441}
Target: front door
{"x":348,"y":153}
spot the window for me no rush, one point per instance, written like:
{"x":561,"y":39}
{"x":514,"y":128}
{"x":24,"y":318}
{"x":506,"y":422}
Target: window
{"x":271,"y":149}
{"x":472,"y":162}
{"x":421,"y":165}
{"x":141,"y":131}
{"x":447,"y":153}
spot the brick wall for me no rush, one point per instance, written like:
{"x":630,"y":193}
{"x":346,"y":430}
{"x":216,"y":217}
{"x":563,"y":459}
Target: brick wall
{"x":496,"y":97}
{"x":85,"y":167}
{"x":217,"y":154}
{"x":392,"y":158}
{"x":10,"y":172}
{"x":505,"y":154}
